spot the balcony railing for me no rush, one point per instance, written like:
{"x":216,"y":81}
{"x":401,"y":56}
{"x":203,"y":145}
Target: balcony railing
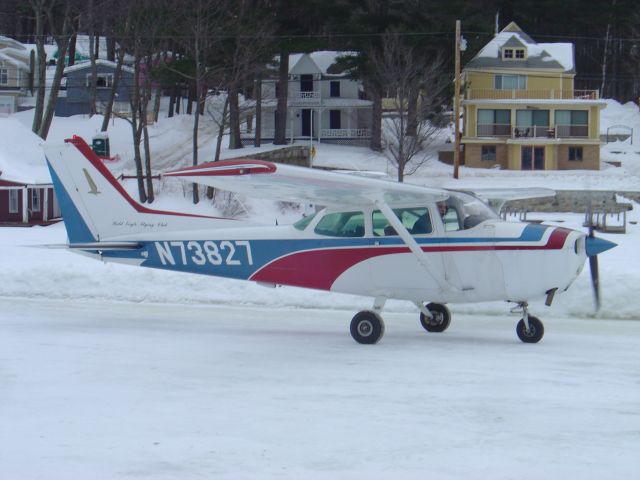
{"x":493,"y":94}
{"x":534,"y":131}
{"x":307,"y":98}
{"x":494,"y":130}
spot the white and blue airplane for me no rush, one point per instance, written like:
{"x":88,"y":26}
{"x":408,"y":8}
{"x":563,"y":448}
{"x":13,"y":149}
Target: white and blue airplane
{"x":376,"y":238}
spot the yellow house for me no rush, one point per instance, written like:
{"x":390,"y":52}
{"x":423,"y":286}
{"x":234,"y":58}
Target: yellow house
{"x":521,"y":111}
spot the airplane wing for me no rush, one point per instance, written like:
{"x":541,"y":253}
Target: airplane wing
{"x":495,"y":194}
{"x":497,"y":197}
{"x":263,"y":179}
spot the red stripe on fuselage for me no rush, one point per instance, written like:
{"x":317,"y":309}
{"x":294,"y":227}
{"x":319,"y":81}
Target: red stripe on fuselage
{"x":319,"y":269}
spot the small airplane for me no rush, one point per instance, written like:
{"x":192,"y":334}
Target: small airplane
{"x":376,"y":238}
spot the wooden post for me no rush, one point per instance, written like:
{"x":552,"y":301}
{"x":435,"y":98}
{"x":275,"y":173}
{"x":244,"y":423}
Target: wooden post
{"x":456,"y":104}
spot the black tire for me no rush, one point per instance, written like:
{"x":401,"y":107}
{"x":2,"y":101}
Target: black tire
{"x":535,"y":333}
{"x":367,"y":327}
{"x":441,"y":318}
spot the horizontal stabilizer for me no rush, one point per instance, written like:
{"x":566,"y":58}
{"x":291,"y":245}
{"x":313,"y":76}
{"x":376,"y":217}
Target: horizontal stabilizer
{"x":102,"y":246}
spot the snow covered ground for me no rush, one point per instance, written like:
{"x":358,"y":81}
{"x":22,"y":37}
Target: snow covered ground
{"x":107,"y":390}
{"x":111,"y":371}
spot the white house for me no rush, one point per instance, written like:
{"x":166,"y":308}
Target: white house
{"x":322,"y":104}
{"x":14,"y":74}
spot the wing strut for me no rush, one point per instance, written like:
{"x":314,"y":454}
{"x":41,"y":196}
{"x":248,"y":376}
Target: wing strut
{"x":422,"y":257}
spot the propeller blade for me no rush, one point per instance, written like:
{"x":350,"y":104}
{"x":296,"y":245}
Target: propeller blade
{"x":595,"y":246}
{"x":595,"y":280}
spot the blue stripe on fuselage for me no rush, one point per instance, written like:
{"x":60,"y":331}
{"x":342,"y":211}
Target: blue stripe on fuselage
{"x":241,"y":259}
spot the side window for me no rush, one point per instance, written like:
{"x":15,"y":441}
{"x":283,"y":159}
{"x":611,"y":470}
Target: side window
{"x":416,"y":220}
{"x":342,"y":224}
{"x":450,"y":220}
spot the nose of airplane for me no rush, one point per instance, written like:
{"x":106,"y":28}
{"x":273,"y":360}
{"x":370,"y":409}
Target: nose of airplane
{"x":596,"y":245}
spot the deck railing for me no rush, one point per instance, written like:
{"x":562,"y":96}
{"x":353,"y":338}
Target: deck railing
{"x":493,"y":94}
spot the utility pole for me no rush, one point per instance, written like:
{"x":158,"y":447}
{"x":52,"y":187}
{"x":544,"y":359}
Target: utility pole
{"x":456,"y":105}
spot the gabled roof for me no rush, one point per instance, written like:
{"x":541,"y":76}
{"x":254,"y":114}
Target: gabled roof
{"x":552,"y":56}
{"x":104,"y":63}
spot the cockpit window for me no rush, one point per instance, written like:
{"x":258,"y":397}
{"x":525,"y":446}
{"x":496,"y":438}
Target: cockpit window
{"x":304,"y":221}
{"x":465,"y":211}
{"x":342,"y":224}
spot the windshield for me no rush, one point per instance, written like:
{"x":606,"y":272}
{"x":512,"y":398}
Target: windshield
{"x":304,"y":221}
{"x":468,"y":211}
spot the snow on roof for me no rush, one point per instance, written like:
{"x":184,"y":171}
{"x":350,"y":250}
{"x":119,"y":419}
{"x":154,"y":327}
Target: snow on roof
{"x":542,"y":55}
{"x":104,"y":63}
{"x":5,"y":57}
{"x":22,"y":158}
{"x":11,"y":43}
{"x":49,"y":50}
{"x":322,"y":59}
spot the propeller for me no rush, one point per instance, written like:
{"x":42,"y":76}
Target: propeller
{"x":594,"y":246}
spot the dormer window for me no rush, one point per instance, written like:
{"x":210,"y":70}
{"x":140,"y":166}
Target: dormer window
{"x":513,"y":54}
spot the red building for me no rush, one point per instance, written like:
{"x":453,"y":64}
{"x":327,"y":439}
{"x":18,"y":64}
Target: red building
{"x":27,"y":203}
{"x":26,"y":191}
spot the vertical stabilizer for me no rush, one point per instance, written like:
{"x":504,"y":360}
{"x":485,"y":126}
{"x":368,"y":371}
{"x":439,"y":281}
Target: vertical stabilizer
{"x":96,"y":208}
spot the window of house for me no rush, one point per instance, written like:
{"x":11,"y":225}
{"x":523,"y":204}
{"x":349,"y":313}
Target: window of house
{"x":4,"y":76}
{"x":572,"y":117}
{"x":494,"y":122}
{"x":13,"y":201}
{"x":513,"y":53}
{"x":488,"y":152}
{"x":510,"y":82}
{"x":334,"y":119}
{"x":35,"y":199}
{"x":306,"y":83}
{"x":334,"y":88}
{"x":575,"y":154}
{"x":572,"y":123}
{"x":531,"y":123}
{"x":103,"y":80}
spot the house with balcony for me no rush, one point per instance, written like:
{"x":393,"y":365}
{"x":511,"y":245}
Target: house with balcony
{"x":324,"y":104}
{"x":521,"y":111}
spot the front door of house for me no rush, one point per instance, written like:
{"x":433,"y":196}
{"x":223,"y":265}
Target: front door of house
{"x":532,"y":158}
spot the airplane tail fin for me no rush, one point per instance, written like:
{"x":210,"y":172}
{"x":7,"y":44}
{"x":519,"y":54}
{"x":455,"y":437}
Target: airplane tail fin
{"x":96,"y":208}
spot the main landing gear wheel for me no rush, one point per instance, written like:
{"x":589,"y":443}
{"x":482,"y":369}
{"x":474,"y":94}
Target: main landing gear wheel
{"x":535,"y":332}
{"x":441,"y":318}
{"x":367,"y":327}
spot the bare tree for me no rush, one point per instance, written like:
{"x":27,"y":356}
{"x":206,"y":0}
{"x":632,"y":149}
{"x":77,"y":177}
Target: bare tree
{"x":59,"y":16}
{"x":411,"y":78}
{"x":145,"y":18}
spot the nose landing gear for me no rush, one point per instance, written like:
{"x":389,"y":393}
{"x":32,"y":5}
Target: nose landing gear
{"x":529,"y":329}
